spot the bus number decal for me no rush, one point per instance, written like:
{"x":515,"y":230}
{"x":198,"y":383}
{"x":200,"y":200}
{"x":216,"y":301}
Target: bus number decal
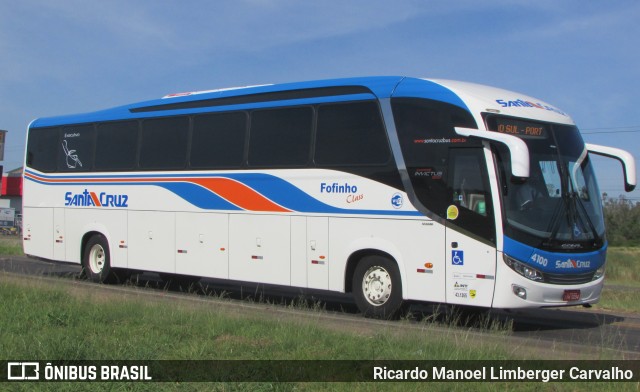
{"x":536,"y":258}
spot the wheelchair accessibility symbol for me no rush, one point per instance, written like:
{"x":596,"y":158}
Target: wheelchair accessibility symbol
{"x":457,"y":257}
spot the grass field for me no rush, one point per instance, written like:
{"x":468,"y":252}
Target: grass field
{"x":10,"y":246}
{"x":50,"y":321}
{"x":622,"y":280}
{"x":623,"y":266}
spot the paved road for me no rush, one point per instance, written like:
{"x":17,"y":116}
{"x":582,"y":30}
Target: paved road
{"x":614,"y":335}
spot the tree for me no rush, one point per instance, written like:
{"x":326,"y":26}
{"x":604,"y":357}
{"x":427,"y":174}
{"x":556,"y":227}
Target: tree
{"x":622,"y":220}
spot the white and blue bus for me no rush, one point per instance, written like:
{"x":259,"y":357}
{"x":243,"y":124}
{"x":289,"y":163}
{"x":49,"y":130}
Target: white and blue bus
{"x":394,"y":189}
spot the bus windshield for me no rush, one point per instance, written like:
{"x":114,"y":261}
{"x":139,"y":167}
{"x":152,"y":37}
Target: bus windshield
{"x":558,"y":207}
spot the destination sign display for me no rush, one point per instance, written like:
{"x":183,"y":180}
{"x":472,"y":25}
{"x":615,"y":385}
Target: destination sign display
{"x":523,"y":129}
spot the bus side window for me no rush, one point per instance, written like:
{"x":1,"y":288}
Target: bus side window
{"x":280,"y":137}
{"x":76,"y":148}
{"x":42,"y":149}
{"x":164,"y":143}
{"x":218,"y":140}
{"x":469,"y":192}
{"x":467,"y":181}
{"x":116,"y":145}
{"x":351,"y":134}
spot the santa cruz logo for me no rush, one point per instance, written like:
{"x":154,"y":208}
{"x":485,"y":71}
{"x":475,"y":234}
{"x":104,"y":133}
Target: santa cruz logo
{"x":92,"y":199}
{"x":528,"y":104}
{"x":571,"y":263}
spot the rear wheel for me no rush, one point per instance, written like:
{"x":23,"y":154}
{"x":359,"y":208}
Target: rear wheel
{"x":377,"y":288}
{"x":96,"y":260}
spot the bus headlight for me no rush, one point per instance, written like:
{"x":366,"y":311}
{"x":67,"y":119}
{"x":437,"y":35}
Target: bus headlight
{"x":599,"y":273}
{"x":523,"y":269}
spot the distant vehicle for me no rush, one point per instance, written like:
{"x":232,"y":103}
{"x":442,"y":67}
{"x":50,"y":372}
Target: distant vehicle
{"x":391,"y":188}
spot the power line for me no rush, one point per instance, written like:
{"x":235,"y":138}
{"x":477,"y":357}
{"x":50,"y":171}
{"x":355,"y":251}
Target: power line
{"x":610,"y":132}
{"x":597,"y":129}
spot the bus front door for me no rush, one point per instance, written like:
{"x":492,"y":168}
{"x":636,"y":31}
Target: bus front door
{"x":470,"y":233}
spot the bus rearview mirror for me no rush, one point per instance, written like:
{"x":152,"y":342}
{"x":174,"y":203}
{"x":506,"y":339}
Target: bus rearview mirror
{"x":517,"y":148}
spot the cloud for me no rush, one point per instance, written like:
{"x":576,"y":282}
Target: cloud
{"x":564,"y":20}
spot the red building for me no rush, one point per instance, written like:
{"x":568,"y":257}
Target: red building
{"x":11,"y":196}
{"x":12,"y":183}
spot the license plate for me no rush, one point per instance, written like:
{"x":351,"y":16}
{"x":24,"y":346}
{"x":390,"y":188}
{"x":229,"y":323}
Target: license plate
{"x":571,"y":295}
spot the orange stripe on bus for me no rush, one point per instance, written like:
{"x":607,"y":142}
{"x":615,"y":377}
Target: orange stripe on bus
{"x":239,"y":194}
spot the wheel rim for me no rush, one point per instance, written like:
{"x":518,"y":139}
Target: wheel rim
{"x":376,"y":285}
{"x":96,"y":259}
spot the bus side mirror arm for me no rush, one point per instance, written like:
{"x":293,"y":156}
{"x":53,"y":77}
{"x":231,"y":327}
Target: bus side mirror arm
{"x":625,"y":158}
{"x":517,"y":148}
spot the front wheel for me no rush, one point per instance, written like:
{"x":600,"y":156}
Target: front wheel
{"x":96,"y":260}
{"x":377,"y":288}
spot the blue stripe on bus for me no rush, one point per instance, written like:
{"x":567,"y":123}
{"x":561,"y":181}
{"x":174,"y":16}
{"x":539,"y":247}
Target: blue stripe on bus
{"x":381,"y":87}
{"x":420,"y":88}
{"x":196,"y":195}
{"x":273,"y":188}
{"x":123,"y":114}
{"x":556,"y":262}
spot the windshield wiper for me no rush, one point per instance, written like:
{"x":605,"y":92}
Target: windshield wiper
{"x":554,"y":224}
{"x":576,"y":215}
{"x":578,"y":202}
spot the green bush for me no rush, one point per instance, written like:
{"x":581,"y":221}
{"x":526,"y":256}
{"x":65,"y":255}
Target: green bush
{"x":622,"y":220}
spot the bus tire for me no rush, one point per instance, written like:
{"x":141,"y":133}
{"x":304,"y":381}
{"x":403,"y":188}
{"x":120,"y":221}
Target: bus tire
{"x":96,"y":260}
{"x":377,"y":288}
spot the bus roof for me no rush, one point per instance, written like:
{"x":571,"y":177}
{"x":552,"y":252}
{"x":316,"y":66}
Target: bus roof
{"x":472,"y":97}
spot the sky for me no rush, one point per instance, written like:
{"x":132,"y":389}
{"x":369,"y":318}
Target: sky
{"x":74,"y":56}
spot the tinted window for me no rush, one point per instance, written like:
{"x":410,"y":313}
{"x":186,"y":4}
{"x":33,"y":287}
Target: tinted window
{"x":75,"y":151}
{"x":470,"y":189}
{"x":447,"y":171}
{"x":469,"y":192}
{"x":280,"y":137}
{"x":351,"y":134}
{"x":425,"y":130}
{"x":218,"y":140}
{"x":41,"y":149}
{"x":116,"y":145}
{"x":164,"y":143}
